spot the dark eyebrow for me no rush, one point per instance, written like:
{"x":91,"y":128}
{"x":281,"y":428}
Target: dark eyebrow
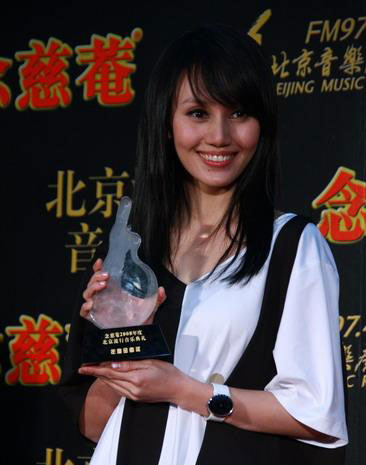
{"x":192,"y":100}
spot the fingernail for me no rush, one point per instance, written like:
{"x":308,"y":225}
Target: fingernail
{"x":101,"y":283}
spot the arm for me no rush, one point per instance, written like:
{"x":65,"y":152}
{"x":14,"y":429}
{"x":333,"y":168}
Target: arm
{"x":157,"y":381}
{"x":98,"y":406}
{"x":257,"y":411}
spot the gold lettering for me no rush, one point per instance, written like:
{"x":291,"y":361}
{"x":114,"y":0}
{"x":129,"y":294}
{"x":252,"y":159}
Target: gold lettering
{"x":363,"y":26}
{"x":327,"y":85}
{"x":312,"y":31}
{"x":330,"y":34}
{"x":347,"y":27}
{"x":349,"y":384}
{"x":259,"y":23}
{"x":358,"y":80}
{"x":338,"y":85}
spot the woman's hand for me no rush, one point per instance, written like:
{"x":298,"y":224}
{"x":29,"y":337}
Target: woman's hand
{"x":98,"y":282}
{"x":149,"y":381}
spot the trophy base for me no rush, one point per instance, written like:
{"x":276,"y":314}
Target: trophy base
{"x":129,"y":343}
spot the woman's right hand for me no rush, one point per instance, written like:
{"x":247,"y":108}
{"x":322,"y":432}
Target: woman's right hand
{"x":96,"y":283}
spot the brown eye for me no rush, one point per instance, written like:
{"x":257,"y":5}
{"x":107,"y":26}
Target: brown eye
{"x":238,"y":114}
{"x":197,"y":114}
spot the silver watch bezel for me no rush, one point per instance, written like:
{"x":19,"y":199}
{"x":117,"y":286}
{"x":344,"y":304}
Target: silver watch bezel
{"x":216,"y":414}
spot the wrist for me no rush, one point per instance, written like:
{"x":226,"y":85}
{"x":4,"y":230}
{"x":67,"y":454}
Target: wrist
{"x":220,"y":405}
{"x":193,"y":396}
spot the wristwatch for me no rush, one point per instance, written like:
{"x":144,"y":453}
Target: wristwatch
{"x":220,"y":404}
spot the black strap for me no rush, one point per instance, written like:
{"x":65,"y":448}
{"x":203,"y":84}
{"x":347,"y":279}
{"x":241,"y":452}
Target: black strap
{"x":264,"y":338}
{"x":143,"y":424}
{"x":254,"y":371}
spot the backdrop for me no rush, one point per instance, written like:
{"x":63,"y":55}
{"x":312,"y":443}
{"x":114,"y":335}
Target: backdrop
{"x":71,"y":90}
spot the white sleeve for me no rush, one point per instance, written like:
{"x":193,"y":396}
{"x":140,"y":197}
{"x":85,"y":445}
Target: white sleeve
{"x":307,"y":353}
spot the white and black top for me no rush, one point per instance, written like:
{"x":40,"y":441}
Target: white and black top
{"x":216,"y":323}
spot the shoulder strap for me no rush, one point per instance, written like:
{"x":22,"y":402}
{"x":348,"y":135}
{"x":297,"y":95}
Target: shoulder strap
{"x":280,"y":269}
{"x":263,"y":340}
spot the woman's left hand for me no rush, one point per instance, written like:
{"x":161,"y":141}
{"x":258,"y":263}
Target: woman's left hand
{"x":142,"y":380}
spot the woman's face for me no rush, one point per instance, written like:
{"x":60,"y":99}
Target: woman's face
{"x":214,"y":143}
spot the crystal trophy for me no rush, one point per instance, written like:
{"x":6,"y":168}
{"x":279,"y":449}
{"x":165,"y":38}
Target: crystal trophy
{"x":120,"y":311}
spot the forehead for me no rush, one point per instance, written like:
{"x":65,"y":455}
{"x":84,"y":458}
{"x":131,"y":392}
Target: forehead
{"x":186,"y":94}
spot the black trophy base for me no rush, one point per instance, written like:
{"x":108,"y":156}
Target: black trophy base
{"x":119,"y":344}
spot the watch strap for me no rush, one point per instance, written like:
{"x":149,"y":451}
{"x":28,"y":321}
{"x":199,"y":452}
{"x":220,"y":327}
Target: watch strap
{"x":217,"y":390}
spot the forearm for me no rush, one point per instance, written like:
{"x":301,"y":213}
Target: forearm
{"x":254,"y":410}
{"x":99,"y":404}
{"x":260,"y":411}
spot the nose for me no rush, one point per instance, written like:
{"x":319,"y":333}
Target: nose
{"x":218,"y":132}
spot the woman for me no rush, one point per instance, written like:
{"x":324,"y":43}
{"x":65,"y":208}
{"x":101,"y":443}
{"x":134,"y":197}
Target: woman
{"x":204,"y":206}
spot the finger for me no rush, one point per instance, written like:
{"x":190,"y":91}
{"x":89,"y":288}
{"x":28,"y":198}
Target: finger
{"x":123,"y":388}
{"x":97,"y":277}
{"x":86,"y":308}
{"x":101,"y":371}
{"x":128,"y":366}
{"x":93,"y":288}
{"x":160,"y":299}
{"x":161,"y":296}
{"x":98,"y":265}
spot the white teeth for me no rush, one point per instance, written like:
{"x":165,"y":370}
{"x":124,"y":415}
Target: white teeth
{"x":216,"y":158}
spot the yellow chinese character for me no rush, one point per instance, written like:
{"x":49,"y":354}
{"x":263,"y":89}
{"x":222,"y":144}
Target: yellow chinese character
{"x":83,"y":250}
{"x":326,"y":61}
{"x":303,"y":62}
{"x":349,"y":356}
{"x":65,"y":191}
{"x":352,"y":60}
{"x":361,"y":362}
{"x":280,"y":68}
{"x":109,"y":189}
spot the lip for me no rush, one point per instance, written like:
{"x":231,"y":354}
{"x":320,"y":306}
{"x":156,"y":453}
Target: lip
{"x":217,"y":163}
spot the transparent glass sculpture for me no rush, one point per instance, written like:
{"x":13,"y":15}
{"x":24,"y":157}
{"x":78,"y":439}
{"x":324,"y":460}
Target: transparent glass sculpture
{"x":131,"y":293}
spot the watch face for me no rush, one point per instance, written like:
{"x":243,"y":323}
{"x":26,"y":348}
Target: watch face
{"x":220,"y":405}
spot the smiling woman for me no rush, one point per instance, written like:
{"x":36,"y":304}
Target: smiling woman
{"x":246,"y":361}
{"x":213,"y":142}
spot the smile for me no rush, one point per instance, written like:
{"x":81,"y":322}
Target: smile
{"x":217,"y":159}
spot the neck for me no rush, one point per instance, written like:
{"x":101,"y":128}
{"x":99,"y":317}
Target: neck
{"x":208,"y":206}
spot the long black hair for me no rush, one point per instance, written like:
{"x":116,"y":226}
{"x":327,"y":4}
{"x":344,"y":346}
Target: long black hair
{"x":228,"y":66}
